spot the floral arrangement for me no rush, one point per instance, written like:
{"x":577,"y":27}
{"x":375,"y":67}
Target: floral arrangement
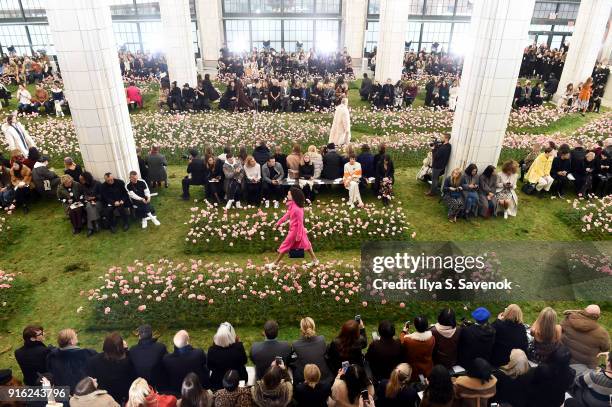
{"x":591,"y":217}
{"x":6,"y":283}
{"x":599,"y":264}
{"x":214,"y":230}
{"x":601,"y":128}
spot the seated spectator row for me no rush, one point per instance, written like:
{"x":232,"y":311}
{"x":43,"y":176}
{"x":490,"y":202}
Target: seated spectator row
{"x":505,"y":361}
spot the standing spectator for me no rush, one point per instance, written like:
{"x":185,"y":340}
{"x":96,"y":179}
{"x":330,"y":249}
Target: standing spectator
{"x":512,"y":380}
{"x":32,"y":356}
{"x":196,"y":172}
{"x":113,"y":369}
{"x":182,"y":361}
{"x":192,"y":393}
{"x":477,"y":339}
{"x":310,"y":349}
{"x":66,"y":363}
{"x":87,"y":394}
{"x":311,"y":392}
{"x":584,"y":95}
{"x":147,"y":356}
{"x":332,"y":163}
{"x":157,"y":164}
{"x":446,"y":333}
{"x":584,"y":337}
{"x":397,"y":390}
{"x":418,"y":347}
{"x":384,"y":354}
{"x":440,"y":156}
{"x":347,"y":346}
{"x":551,"y":380}
{"x":264,"y":353}
{"x":546,"y":336}
{"x":366,"y":87}
{"x":227,"y":353}
{"x":510,"y":333}
{"x":439,"y":391}
{"x":478,"y":386}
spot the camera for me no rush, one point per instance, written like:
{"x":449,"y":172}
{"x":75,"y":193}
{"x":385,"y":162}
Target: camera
{"x":434,"y":143}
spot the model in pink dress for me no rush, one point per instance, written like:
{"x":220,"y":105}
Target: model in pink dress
{"x":133,"y":95}
{"x":297,"y":238}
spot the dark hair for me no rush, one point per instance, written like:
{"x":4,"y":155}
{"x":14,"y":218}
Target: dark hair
{"x":446,"y":317}
{"x":440,"y":388}
{"x":191,"y":392}
{"x":273,"y":377}
{"x":227,"y":149}
{"x":231,"y":380}
{"x":365,"y":75}
{"x":488,"y":171}
{"x":365,"y":148}
{"x":420,"y":323}
{"x":33,"y":154}
{"x":133,"y":173}
{"x":17,"y":173}
{"x":349,"y":335}
{"x":298,"y":196}
{"x":356,"y":381}
{"x":132,"y":83}
{"x":382,"y":148}
{"x":31,"y":331}
{"x":386,"y":329}
{"x":87,"y":177}
{"x":470,"y":168}
{"x":548,"y":150}
{"x":560,"y":358}
{"x":271,"y":329}
{"x":85,"y":387}
{"x":113,"y":347}
{"x":564,"y":149}
{"x":193,"y":152}
{"x":480,"y":369}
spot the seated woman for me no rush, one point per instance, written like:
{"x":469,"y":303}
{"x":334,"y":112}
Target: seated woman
{"x":546,"y":336}
{"x":192,"y":393}
{"x":589,"y":171}
{"x":310,"y":349}
{"x":512,"y":380}
{"x":226,"y":354}
{"x":274,"y":388}
{"x":487,"y":185}
{"x":21,"y":179}
{"x":539,"y":172}
{"x":133,"y":95}
{"x":410,"y":93}
{"x":213,"y":184}
{"x":306,"y":176}
{"x":141,"y":394}
{"x":418,"y":347}
{"x":469,"y":188}
{"x":446,"y":333}
{"x":439,"y":391}
{"x":397,"y":390}
{"x":347,"y":346}
{"x":505,"y":189}
{"x":536,"y":95}
{"x":452,"y":196}
{"x":93,"y":202}
{"x":311,"y":392}
{"x":86,"y":393}
{"x":231,"y":395}
{"x":567,"y":99}
{"x":352,"y":388}
{"x":70,"y":193}
{"x":232,"y":169}
{"x":156,"y":164}
{"x":385,"y":177}
{"x":229,"y":98}
{"x":252,"y":173}
{"x":551,"y":380}
{"x":527,"y":161}
{"x":478,"y":386}
{"x":351,"y":180}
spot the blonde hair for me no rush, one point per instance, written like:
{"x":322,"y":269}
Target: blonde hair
{"x":312,"y":149}
{"x":225,"y":335}
{"x":517,"y":365}
{"x":400,"y":377}
{"x":65,"y":178}
{"x":312,"y":374}
{"x":307,"y":327}
{"x":545,"y":327}
{"x":455,"y":177}
{"x":513,"y":313}
{"x":250,"y":161}
{"x":66,"y":337}
{"x":139,"y":390}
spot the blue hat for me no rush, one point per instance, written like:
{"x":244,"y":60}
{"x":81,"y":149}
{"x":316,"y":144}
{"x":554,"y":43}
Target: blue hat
{"x":481,"y":314}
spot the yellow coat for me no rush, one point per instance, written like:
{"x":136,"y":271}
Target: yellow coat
{"x":540,"y":168}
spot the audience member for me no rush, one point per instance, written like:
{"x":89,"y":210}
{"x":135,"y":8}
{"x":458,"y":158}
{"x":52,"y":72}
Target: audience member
{"x":439,"y":391}
{"x":551,"y":380}
{"x":252,"y":175}
{"x":71,"y":168}
{"x":441,"y":152}
{"x":184,"y":360}
{"x":156,"y":164}
{"x":505,"y":193}
{"x":139,"y":194}
{"x":32,"y":356}
{"x":539,"y":172}
{"x":385,"y":178}
{"x":487,"y":185}
{"x":227,"y":353}
{"x":446,"y":334}
{"x":93,"y":202}
{"x":347,"y":346}
{"x":67,"y":362}
{"x":274,"y":388}
{"x":546,"y":336}
{"x":352,"y":388}
{"x":141,"y":394}
{"x":384,"y":354}
{"x":231,"y":395}
{"x":310,"y":349}
{"x":352,"y":180}
{"x":510,"y":333}
{"x":452,"y":195}
{"x":115,"y":201}
{"x":584,"y":337}
{"x":264,"y":353}
{"x":272,"y":174}
{"x":70,"y":193}
{"x":512,"y":380}
{"x":311,"y":392}
{"x":477,"y":339}
{"x":87,"y":394}
{"x":332,"y":163}
{"x":397,"y":390}
{"x":477,"y":387}
{"x":593,"y":388}
{"x":147,"y":356}
{"x":192,"y":393}
{"x":470,"y":188}
{"x":45,"y":180}
{"x":560,"y":171}
{"x":418,"y":347}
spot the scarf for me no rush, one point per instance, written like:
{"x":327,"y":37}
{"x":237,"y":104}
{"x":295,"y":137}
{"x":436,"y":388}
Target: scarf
{"x":445,"y":331}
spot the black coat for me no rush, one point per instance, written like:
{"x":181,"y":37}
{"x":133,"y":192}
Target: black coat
{"x":114,"y":192}
{"x":263,"y":353}
{"x":308,"y":396}
{"x":67,"y":366}
{"x":197,"y":170}
{"x":261,"y":154}
{"x":383,"y":356}
{"x":577,"y":158}
{"x":114,"y":376}
{"x":512,"y":390}
{"x":32,"y":359}
{"x":440,"y":156}
{"x":476,"y":341}
{"x":146,"y":357}
{"x":220,"y":360}
{"x":353,"y":356}
{"x":366,"y":160}
{"x":407,"y":397}
{"x":183,"y":361}
{"x":508,"y":335}
{"x":333,"y":166}
{"x":560,"y":165}
{"x":549,"y":386}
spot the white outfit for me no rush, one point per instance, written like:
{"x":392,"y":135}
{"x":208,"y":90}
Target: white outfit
{"x":502,"y":180}
{"x":317,"y":161}
{"x":545,"y":183}
{"x":24,"y":97}
{"x":17,"y":137}
{"x":352,"y":175}
{"x":253,"y":173}
{"x":452,"y":98}
{"x":340,"y":133}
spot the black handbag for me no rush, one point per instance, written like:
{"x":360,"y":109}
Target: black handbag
{"x":296,"y":253}
{"x":528,"y":188}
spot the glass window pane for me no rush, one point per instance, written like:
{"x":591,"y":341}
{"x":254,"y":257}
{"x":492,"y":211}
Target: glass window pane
{"x":568,"y":11}
{"x":299,"y":6}
{"x":41,"y":38}
{"x":266,"y":30}
{"x":544,"y":9}
{"x":236,"y":6}
{"x":147,"y":7}
{"x":126,"y":35}
{"x":298,"y":31}
{"x":237,"y":35}
{"x":440,"y":7}
{"x":328,"y":7}
{"x":416,"y":7}
{"x":152,"y":38}
{"x":15,"y":35}
{"x":542,"y":39}
{"x":122,"y":7}
{"x":556,"y":41}
{"x":10,"y":9}
{"x":435,"y":33}
{"x":460,"y":39}
{"x":371,"y":35}
{"x":464,"y":7}
{"x":33,"y":8}
{"x":327,"y":35}
{"x":374,"y":7}
{"x":412,"y":35}
{"x":266,"y":6}
{"x":540,"y":27}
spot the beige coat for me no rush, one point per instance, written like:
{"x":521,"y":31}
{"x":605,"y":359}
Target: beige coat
{"x":98,"y":398}
{"x":584,"y":337}
{"x":341,"y":127}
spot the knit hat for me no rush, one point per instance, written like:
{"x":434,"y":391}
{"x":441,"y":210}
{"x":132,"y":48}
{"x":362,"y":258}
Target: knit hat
{"x":481,"y":314}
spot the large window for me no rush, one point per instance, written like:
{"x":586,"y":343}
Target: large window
{"x":236,"y":6}
{"x":440,"y":7}
{"x":328,"y":6}
{"x":41,"y":38}
{"x":151,"y":34}
{"x":301,"y":31}
{"x":544,"y":10}
{"x":126,"y":35}
{"x":266,"y":30}
{"x":299,"y":6}
{"x":33,"y":8}
{"x":436,"y":33}
{"x":16,"y":36}
{"x":328,"y":33}
{"x":237,"y":35}
{"x":413,"y":33}
{"x":266,"y":6}
{"x":371,"y":35}
{"x":568,"y":11}
{"x":10,"y":9}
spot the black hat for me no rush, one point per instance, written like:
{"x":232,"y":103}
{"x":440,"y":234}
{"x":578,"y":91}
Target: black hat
{"x":331,"y":146}
{"x":5,"y":376}
{"x":43,"y":159}
{"x":145,"y":331}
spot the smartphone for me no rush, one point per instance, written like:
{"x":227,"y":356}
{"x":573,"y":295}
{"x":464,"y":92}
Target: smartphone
{"x":407,"y":324}
{"x":279,"y":360}
{"x":375,"y":336}
{"x":494,"y":405}
{"x":345,"y":366}
{"x":358,"y":318}
{"x":365,"y":395}
{"x":422,"y":379}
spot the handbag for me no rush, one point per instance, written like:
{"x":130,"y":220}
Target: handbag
{"x":296,"y":253}
{"x":528,"y":188}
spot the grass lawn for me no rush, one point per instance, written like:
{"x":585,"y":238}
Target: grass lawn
{"x":58,"y":266}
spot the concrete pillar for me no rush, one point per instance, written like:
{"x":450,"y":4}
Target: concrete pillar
{"x":210,"y":27}
{"x":83,"y":36}
{"x":605,"y":56}
{"x":178,"y":41}
{"x":391,"y":40}
{"x":585,"y":43}
{"x":355,"y":13}
{"x":498,"y":33}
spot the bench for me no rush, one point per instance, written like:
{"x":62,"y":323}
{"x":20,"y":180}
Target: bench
{"x":321,"y":181}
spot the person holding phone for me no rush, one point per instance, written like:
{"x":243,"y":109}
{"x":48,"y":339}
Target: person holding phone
{"x":352,"y":388}
{"x":470,"y":188}
{"x":507,"y":200}
{"x":418,"y":347}
{"x":274,"y":388}
{"x":347,"y":346}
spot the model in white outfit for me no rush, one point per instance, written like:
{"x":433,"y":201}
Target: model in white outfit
{"x":340,"y":133}
{"x":352,"y":175}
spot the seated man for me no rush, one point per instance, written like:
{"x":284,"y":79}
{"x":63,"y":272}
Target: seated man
{"x":477,"y":339}
{"x":32,"y":356}
{"x":272,"y":175}
{"x":196,"y":173}
{"x":584,"y":337}
{"x":264,"y":353}
{"x":184,"y":360}
{"x":115,"y":200}
{"x":550,"y":87}
{"x":138,"y":191}
{"x":593,"y":389}
{"x":561,"y":168}
{"x":45,"y":180}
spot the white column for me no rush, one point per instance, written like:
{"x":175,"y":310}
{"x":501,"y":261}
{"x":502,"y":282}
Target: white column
{"x":355,"y":16}
{"x":83,"y":36}
{"x":210,"y":26}
{"x":391,"y":39}
{"x":607,"y":97}
{"x":178,"y":41}
{"x":498,"y":34}
{"x":585,"y":43}
{"x":606,"y":51}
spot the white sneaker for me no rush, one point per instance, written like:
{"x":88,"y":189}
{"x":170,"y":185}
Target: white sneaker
{"x":267,"y":204}
{"x":229,"y":204}
{"x":313,"y":263}
{"x":505,"y":214}
{"x":276,"y":204}
{"x":144,"y":223}
{"x":270,"y":266}
{"x":155,"y":221}
{"x":238,"y":205}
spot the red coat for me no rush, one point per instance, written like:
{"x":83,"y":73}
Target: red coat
{"x":418,"y":349}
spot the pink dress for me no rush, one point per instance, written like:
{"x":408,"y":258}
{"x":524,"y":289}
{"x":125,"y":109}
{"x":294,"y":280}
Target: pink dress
{"x":297,"y":237}
{"x":133,"y":95}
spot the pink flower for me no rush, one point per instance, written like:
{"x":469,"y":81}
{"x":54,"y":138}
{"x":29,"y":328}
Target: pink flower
{"x":107,"y":310}
{"x":141,"y":308}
